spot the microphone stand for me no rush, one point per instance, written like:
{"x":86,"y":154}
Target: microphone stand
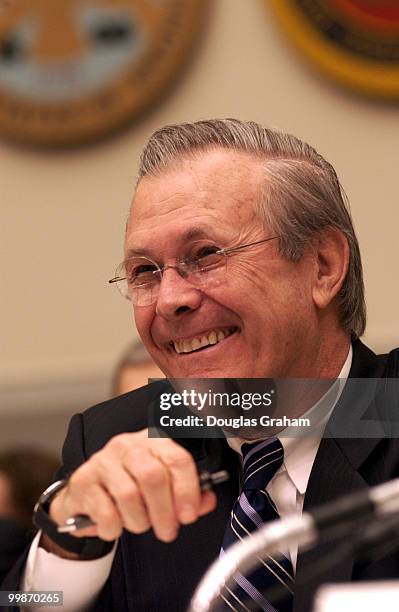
{"x":243,"y":556}
{"x":326,"y":522}
{"x":379,"y":537}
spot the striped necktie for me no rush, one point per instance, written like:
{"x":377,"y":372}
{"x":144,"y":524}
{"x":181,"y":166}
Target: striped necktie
{"x":253,"y":508}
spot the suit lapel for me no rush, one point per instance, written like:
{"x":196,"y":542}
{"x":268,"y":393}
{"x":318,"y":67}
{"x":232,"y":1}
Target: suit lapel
{"x":335,"y":474}
{"x":332,"y":476}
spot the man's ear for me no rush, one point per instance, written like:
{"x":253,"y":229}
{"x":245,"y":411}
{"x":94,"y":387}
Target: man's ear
{"x":331,"y":252}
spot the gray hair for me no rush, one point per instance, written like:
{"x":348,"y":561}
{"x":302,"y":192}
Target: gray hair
{"x":302,"y":194}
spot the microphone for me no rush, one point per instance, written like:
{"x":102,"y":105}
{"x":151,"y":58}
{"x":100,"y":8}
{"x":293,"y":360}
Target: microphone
{"x":361,"y":505}
{"x":320,"y":524}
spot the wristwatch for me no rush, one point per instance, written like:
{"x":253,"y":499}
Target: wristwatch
{"x":86,"y":548}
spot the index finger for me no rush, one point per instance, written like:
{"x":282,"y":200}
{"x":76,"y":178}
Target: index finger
{"x":184,"y":482}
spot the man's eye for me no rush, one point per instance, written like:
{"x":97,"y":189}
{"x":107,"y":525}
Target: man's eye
{"x":142,"y":274}
{"x":207,"y":258}
{"x":206,"y":251}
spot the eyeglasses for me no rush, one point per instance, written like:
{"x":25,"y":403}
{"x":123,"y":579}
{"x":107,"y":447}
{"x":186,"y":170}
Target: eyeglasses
{"x":139,"y":278}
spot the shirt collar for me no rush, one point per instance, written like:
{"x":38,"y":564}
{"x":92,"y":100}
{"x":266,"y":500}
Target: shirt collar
{"x":300,"y":451}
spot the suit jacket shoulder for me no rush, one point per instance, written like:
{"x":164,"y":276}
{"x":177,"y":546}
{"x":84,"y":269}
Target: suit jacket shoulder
{"x":125,"y":413}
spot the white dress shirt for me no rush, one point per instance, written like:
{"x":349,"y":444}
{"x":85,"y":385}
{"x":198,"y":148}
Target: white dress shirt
{"x":288,"y":486}
{"x":81,"y":581}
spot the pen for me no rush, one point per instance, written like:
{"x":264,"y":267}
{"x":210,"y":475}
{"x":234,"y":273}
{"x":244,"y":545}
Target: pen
{"x":207,"y":481}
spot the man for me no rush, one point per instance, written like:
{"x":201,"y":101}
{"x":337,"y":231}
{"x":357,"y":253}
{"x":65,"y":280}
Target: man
{"x":282,"y":297}
{"x":24,"y":473}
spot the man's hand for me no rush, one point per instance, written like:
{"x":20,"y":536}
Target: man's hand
{"x":136,"y":483}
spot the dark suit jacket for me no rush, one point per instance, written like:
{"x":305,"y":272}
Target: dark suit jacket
{"x":150,"y":576}
{"x":13,"y":540}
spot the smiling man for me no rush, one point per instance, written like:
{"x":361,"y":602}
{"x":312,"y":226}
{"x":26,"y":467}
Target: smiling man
{"x":240,"y":261}
{"x":206,"y":202}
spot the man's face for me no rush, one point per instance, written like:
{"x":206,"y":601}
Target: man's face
{"x":261,"y":310}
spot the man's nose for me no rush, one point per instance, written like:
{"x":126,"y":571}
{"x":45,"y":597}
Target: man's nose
{"x":176,"y":295}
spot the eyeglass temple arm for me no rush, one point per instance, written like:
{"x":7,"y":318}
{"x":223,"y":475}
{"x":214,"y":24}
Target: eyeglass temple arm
{"x":244,"y":246}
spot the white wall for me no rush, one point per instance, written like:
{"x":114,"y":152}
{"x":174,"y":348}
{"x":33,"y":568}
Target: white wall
{"x":64,"y":213}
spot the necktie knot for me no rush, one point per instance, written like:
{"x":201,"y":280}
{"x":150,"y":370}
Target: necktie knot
{"x":261,"y":462}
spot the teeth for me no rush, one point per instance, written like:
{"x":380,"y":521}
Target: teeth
{"x":212,"y":337}
{"x":195,"y":344}
{"x":188,"y":346}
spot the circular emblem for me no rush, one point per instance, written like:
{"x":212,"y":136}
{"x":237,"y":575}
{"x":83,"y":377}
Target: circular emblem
{"x":355,"y":41}
{"x":73,"y":70}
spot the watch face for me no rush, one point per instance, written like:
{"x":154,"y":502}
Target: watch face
{"x":355,"y":41}
{"x":72,"y":70}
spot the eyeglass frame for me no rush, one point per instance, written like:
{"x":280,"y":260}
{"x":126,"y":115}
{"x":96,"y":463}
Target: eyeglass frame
{"x":160,"y":270}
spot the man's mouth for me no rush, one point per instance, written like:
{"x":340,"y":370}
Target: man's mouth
{"x":198,"y":343}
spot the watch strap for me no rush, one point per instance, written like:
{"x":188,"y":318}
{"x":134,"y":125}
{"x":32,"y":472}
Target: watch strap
{"x":87,"y":548}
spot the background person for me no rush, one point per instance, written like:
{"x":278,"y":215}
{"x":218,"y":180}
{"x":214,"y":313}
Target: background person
{"x":24,"y":473}
{"x":134,"y":369}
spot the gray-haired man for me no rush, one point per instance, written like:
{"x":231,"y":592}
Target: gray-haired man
{"x":240,"y":261}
